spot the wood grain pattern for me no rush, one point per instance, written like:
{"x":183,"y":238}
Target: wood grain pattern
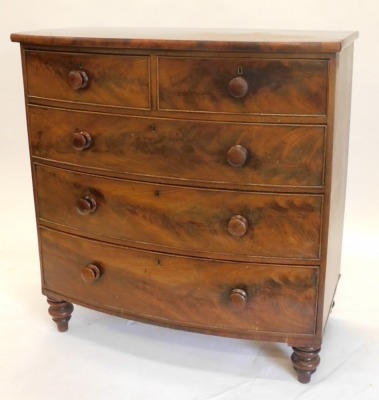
{"x":121,"y":81}
{"x":205,"y":39}
{"x":179,"y":290}
{"x":204,"y":199}
{"x":186,"y":218}
{"x":277,"y":155}
{"x":275,"y":86}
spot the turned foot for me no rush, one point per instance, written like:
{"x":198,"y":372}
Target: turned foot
{"x":305,"y":362}
{"x":60,"y":311}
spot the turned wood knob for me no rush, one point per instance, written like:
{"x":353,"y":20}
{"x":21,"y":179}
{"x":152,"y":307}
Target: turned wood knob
{"x":77,"y":79}
{"x":90,"y":273}
{"x":86,"y":205}
{"x":236,"y":156}
{"x":237,"y":225}
{"x":238,"y":298}
{"x":238,"y":87}
{"x":81,"y":140}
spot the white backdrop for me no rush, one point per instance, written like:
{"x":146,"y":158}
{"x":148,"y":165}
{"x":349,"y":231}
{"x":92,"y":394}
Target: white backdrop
{"x":199,"y":368}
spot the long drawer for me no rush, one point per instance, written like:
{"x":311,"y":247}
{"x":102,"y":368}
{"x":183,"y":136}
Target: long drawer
{"x":191,"y":219}
{"x":190,"y":292}
{"x":190,"y":151}
{"x":110,"y":80}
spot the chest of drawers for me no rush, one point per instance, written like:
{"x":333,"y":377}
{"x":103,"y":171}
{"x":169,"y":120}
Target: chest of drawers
{"x":192,"y":179}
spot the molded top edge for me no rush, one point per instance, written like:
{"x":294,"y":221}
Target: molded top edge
{"x":191,"y":39}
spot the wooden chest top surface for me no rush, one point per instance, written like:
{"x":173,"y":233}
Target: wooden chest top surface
{"x":192,"y":39}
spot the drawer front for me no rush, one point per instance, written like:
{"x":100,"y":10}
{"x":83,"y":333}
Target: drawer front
{"x":233,"y":297}
{"x":191,"y":219}
{"x":122,"y":81}
{"x":223,"y":153}
{"x":263,"y":86}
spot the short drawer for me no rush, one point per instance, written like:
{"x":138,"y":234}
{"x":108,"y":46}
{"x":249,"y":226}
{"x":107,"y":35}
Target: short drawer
{"x":190,"y":219}
{"x":113,"y":80}
{"x":182,"y":291}
{"x":200,"y":152}
{"x":243,"y":85}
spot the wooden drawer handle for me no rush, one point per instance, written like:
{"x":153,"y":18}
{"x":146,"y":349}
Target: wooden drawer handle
{"x":81,"y":140}
{"x":237,"y":156}
{"x":77,"y":79}
{"x":90,"y":273}
{"x":238,"y":87}
{"x":86,"y":205}
{"x":238,"y":298}
{"x":237,"y":226}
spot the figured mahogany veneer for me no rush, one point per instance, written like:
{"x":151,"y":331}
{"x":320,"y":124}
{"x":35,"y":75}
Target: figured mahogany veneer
{"x":274,"y":86}
{"x":192,"y":179}
{"x":202,"y":291}
{"x":179,"y":218}
{"x":185,"y":151}
{"x":122,"y":81}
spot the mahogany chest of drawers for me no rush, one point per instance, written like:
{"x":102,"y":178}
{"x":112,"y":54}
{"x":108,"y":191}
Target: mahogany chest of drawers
{"x":192,"y":179}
